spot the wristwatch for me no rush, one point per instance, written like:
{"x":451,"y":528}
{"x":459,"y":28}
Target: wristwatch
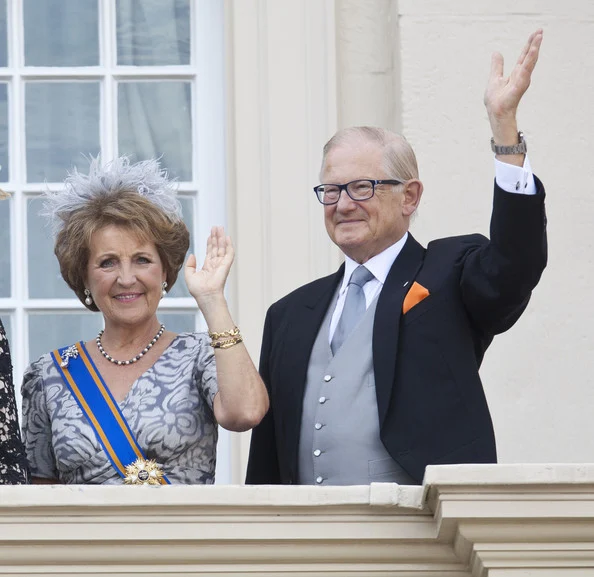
{"x":519,"y":148}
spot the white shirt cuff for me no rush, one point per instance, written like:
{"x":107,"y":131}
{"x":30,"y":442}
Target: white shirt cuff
{"x":517,"y":179}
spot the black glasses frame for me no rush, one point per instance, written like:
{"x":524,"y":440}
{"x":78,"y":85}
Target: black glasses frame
{"x":319,"y":189}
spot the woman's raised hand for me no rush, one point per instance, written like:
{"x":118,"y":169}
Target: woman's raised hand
{"x":208,"y":283}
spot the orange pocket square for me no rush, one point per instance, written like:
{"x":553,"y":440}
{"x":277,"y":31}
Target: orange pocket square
{"x":414,"y":296}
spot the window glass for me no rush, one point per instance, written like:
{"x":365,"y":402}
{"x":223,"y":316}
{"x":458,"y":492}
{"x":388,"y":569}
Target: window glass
{"x":4,"y":176}
{"x":179,"y":288}
{"x":45,"y":280}
{"x":153,"y":32}
{"x":61,"y":126}
{"x":179,"y":322}
{"x":61,"y":32}
{"x":5,"y":252}
{"x":154,"y":121}
{"x":50,"y":331}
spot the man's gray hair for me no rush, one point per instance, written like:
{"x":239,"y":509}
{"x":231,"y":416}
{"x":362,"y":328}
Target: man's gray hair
{"x":400,"y":161}
{"x":147,"y":178}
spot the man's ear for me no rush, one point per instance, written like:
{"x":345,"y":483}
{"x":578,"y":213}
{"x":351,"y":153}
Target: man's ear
{"x":411,"y":196}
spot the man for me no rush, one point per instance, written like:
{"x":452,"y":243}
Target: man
{"x":372,"y":372}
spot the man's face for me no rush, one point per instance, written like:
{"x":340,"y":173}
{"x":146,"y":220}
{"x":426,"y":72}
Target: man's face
{"x":363,"y":229}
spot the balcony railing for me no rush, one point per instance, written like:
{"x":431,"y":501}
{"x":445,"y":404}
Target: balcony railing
{"x":479,"y":520}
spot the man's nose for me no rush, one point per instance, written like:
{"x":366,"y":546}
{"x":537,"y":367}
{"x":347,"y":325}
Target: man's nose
{"x":345,"y":202}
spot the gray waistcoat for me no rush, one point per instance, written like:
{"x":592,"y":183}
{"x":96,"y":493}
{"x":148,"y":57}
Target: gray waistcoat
{"x":339,"y":442}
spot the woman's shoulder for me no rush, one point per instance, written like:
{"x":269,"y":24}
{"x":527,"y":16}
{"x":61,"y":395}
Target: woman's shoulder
{"x":37,"y":372}
{"x":38,"y":366}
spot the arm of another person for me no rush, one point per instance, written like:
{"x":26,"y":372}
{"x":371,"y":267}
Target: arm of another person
{"x":263,"y":467}
{"x":13,"y":463}
{"x":242,"y":399}
{"x":37,"y":430}
{"x":498,"y":278}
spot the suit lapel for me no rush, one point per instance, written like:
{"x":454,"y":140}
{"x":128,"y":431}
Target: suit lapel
{"x":387,"y":320}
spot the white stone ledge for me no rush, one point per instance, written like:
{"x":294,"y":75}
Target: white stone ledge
{"x":225,"y":496}
{"x":480,"y":520}
{"x":511,"y":474}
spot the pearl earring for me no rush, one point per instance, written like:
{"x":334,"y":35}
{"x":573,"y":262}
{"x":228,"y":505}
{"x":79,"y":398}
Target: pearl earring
{"x":88,"y":299}
{"x":164,"y":292}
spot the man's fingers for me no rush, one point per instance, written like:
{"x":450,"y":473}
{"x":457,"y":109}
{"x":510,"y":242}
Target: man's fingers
{"x":526,"y":48}
{"x":533,"y":52}
{"x":496,"y":65}
{"x":529,"y":54}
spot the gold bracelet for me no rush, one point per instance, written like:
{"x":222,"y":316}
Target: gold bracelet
{"x":225,"y":344}
{"x":232,"y":333}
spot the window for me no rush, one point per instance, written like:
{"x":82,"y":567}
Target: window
{"x":82,"y":77}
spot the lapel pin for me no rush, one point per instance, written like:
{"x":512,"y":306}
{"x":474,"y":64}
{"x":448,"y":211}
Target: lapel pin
{"x":405,"y":284}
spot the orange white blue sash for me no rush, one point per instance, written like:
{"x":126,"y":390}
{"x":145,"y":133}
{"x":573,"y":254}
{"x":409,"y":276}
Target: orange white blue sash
{"x":103,"y":414}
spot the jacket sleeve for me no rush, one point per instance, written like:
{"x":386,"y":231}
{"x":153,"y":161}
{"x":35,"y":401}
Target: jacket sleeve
{"x":498,"y":276}
{"x":263,"y":466}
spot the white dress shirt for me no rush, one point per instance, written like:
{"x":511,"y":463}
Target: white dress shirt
{"x":511,"y":178}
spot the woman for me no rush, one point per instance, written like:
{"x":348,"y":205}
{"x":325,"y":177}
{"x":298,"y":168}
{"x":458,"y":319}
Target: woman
{"x":13,"y":465}
{"x":138,"y":404}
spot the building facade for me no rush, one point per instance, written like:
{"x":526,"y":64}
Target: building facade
{"x":257,"y":87}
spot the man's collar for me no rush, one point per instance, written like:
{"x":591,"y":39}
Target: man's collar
{"x":379,"y":265}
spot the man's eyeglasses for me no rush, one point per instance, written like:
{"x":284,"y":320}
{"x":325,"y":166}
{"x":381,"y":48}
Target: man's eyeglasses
{"x":356,"y":189}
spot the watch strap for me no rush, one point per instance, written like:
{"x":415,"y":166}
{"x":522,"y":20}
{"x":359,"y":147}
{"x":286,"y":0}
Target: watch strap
{"x":519,"y":148}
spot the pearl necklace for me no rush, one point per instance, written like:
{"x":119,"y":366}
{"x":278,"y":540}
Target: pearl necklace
{"x":133,"y":359}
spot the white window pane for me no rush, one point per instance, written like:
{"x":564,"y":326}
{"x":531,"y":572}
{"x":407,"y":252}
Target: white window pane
{"x":3,"y":35}
{"x":154,"y":120}
{"x":153,"y":32}
{"x":179,"y":288}
{"x":62,"y":125}
{"x":4,"y":177}
{"x":183,"y":322}
{"x":61,"y":32}
{"x":50,"y":331}
{"x":45,"y":280}
{"x":5,"y":252}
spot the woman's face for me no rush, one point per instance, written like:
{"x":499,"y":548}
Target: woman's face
{"x":124,"y":275}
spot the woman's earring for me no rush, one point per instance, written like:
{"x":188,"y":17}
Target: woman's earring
{"x":164,"y":292}
{"x":88,"y":299}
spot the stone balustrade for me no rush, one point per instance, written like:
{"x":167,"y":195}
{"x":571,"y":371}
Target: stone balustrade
{"x":479,"y":520}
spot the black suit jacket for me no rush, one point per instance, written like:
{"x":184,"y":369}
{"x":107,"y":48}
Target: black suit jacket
{"x":431,"y":404}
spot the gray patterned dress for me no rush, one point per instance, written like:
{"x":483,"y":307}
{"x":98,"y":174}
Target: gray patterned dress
{"x":169,"y":409}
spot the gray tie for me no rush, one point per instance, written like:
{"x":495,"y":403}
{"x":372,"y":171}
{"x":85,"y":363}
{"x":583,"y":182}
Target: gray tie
{"x":354,"y":307}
